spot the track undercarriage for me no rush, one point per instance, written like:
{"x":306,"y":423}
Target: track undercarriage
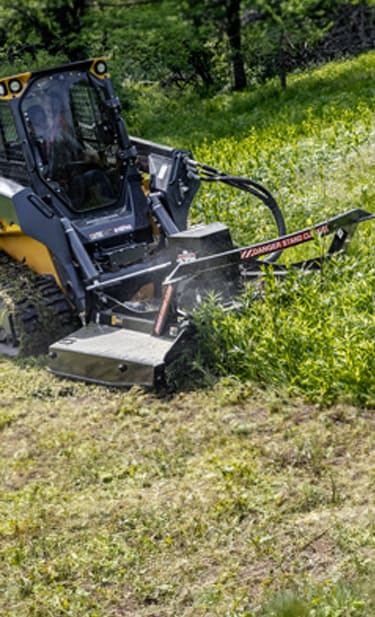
{"x":33,"y":310}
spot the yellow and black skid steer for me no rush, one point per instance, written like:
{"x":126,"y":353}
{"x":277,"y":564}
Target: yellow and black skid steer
{"x":97,"y":265}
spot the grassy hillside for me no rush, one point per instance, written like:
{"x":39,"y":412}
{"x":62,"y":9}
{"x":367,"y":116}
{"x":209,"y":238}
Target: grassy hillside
{"x":313,"y":146}
{"x":255,"y":496}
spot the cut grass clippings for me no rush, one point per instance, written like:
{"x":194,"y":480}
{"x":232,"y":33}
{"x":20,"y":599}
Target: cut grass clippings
{"x":225,"y":502}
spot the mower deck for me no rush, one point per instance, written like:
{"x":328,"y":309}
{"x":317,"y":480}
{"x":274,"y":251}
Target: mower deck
{"x":111,"y":356}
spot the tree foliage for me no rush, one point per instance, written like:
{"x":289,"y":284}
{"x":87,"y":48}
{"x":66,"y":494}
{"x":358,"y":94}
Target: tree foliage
{"x":296,"y":33}
{"x":52,"y":25}
{"x":209,"y":44}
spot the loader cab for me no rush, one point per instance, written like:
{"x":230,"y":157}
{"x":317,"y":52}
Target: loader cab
{"x":73,"y":137}
{"x":62,"y":134}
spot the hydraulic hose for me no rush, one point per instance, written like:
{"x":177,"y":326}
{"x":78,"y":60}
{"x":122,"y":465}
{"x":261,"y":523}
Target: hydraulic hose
{"x":210,"y":174}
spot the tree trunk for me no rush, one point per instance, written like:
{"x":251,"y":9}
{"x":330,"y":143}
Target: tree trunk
{"x":233,"y":30}
{"x":281,"y":61}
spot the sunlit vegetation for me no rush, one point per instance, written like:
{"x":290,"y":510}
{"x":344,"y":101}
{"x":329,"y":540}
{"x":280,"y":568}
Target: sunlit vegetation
{"x":251,"y":496}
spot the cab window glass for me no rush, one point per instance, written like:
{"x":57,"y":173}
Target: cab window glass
{"x":12,"y":162}
{"x":66,"y":125}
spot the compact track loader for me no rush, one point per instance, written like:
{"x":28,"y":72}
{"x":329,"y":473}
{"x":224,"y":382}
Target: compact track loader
{"x":96,"y":261}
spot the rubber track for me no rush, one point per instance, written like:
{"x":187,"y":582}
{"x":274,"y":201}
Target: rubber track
{"x":39,"y":310}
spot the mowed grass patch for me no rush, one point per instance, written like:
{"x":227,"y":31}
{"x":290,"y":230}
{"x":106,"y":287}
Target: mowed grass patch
{"x":210,"y":503}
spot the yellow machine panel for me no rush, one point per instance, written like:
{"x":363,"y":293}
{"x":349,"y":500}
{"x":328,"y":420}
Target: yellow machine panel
{"x":26,"y":249}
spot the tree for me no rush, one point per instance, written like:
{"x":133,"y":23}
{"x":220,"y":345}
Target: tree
{"x":219,"y":18}
{"x":296,"y":33}
{"x":233,"y":30}
{"x":205,"y":44}
{"x":51,"y":25}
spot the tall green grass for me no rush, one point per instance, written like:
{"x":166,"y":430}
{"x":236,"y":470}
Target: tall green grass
{"x":308,"y":334}
{"x":313,"y":146}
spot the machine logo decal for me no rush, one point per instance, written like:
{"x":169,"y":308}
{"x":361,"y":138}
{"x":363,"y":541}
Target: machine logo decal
{"x":96,"y":235}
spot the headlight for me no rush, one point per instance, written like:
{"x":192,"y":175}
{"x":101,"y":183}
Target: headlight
{"x":100,"y":67}
{"x":15,"y":86}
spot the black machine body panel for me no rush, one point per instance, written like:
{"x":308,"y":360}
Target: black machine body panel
{"x":63,"y":138}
